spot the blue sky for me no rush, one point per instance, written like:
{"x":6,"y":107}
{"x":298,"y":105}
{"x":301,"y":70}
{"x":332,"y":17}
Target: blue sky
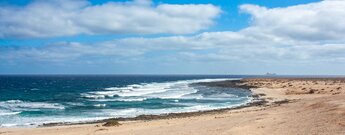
{"x":172,"y":37}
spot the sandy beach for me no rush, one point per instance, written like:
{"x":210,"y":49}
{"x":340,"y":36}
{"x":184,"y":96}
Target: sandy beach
{"x":294,"y":106}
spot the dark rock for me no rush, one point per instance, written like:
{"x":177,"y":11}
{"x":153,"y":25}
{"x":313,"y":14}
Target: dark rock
{"x":111,"y":123}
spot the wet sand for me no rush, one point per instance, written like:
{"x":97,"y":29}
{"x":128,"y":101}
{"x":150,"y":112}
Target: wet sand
{"x":294,"y":106}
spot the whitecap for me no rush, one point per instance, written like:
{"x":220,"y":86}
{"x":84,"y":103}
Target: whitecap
{"x":8,"y":113}
{"x":120,"y":99}
{"x":165,"y":90}
{"x":100,"y":105}
{"x":21,"y":105}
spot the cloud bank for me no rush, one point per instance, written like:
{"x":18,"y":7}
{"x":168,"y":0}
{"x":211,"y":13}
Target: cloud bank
{"x":53,"y":18}
{"x":302,"y":35}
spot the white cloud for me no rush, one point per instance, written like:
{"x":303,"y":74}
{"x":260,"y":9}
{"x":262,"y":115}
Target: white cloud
{"x":210,"y":46}
{"x":71,"y":17}
{"x":297,"y":34}
{"x":318,"y":21}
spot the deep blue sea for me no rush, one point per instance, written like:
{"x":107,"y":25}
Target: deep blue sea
{"x":31,"y":100}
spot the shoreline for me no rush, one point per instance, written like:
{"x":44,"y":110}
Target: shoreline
{"x":255,"y":101}
{"x":292,"y":106}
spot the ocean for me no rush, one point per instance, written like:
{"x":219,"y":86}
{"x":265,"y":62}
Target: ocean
{"x":32,"y":100}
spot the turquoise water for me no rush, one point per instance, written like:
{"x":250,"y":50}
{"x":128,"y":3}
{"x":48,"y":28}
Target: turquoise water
{"x":34,"y":100}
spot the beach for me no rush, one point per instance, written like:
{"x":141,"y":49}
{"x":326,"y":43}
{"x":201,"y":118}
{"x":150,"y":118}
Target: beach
{"x":291,"y":106}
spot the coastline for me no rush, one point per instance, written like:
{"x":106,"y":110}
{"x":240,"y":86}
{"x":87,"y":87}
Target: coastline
{"x":316,"y":112}
{"x":255,"y":101}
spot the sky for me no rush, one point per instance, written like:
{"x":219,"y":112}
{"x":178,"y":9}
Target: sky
{"x":292,"y":37}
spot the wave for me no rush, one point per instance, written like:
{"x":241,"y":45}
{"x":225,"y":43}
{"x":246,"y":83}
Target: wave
{"x":100,"y":105}
{"x":3,"y":113}
{"x":133,"y":112}
{"x":141,"y":99}
{"x":105,"y":114}
{"x":165,"y":90}
{"x":36,"y":121}
{"x":120,"y":99}
{"x":18,"y":105}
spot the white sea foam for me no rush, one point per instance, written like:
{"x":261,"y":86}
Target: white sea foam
{"x":132,"y":112}
{"x":74,"y":104}
{"x":111,"y":113}
{"x":8,"y":125}
{"x":119,"y":99}
{"x":92,"y":96}
{"x":100,"y":105}
{"x":173,"y":93}
{"x":21,"y":105}
{"x":4,"y":113}
{"x":165,"y":90}
{"x":36,"y":121}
